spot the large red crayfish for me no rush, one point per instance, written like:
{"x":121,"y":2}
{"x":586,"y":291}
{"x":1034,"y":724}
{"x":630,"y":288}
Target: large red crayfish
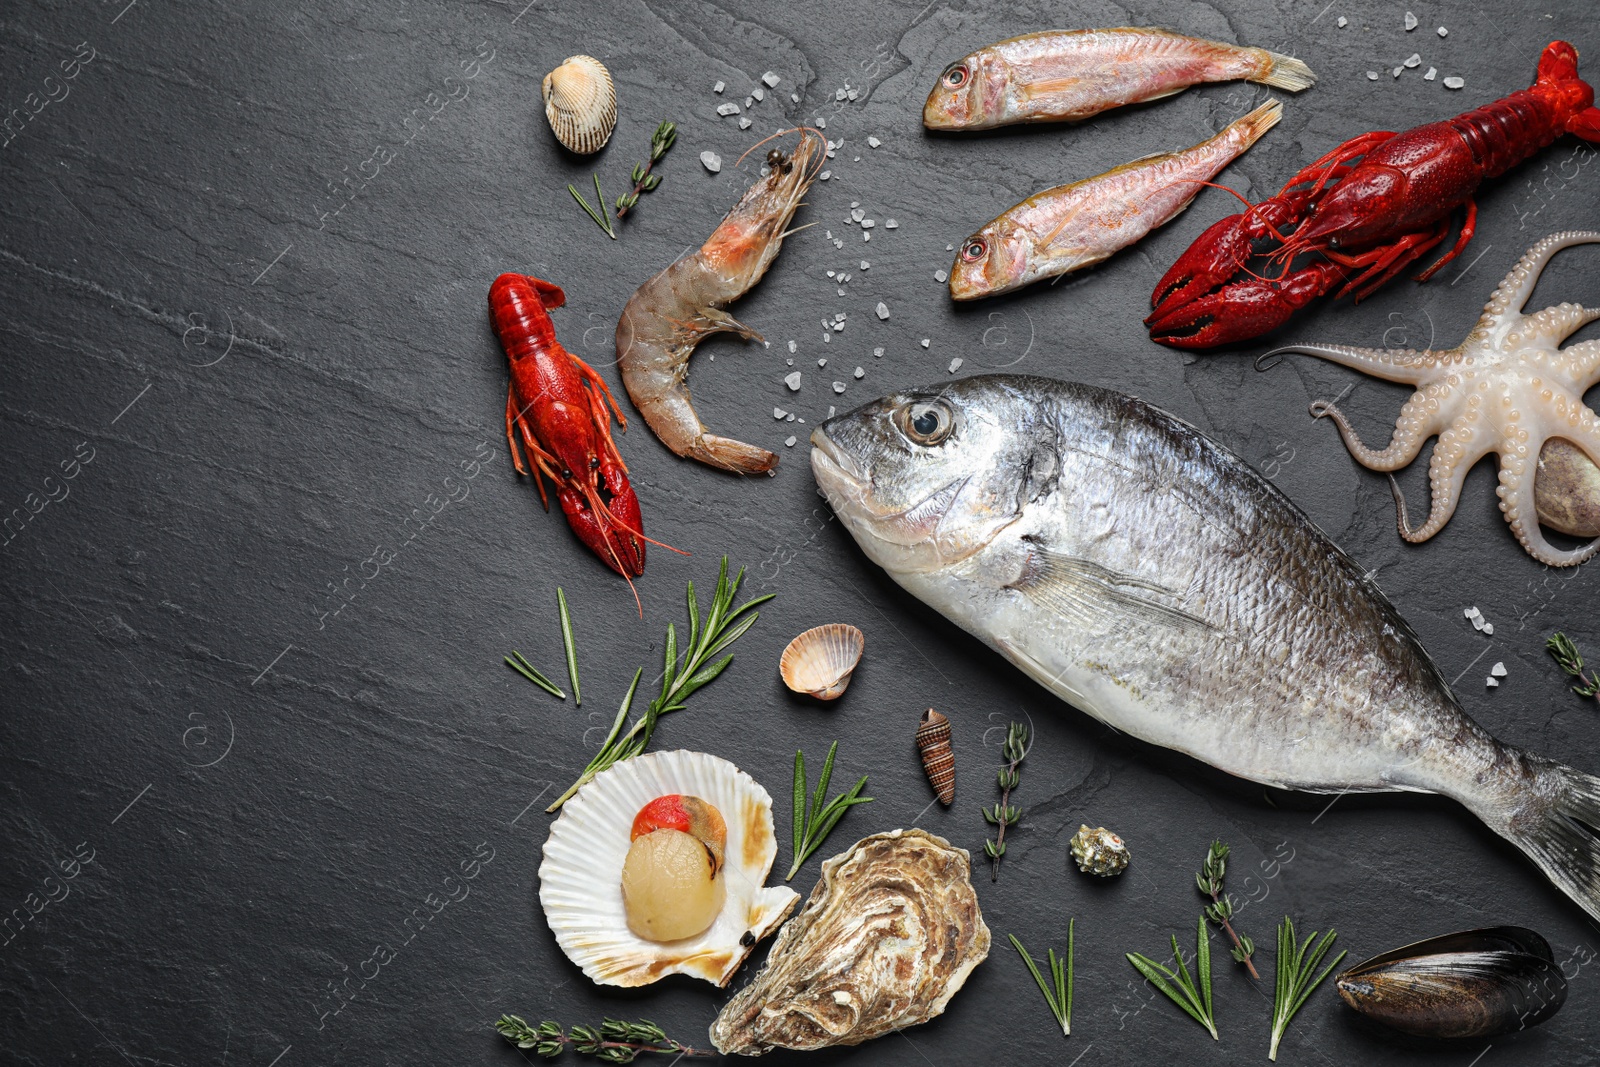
{"x":1367,"y":209}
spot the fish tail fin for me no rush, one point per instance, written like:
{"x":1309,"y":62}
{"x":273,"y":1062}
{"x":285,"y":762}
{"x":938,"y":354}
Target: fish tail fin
{"x":1286,"y":72}
{"x":1558,"y":826}
{"x":1252,"y":126}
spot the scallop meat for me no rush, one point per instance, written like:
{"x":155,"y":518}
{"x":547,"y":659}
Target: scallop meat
{"x":581,"y":104}
{"x":819,"y":662}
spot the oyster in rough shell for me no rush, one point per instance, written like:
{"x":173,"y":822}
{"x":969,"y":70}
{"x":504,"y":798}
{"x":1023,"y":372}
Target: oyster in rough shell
{"x":1473,"y":984}
{"x":581,"y":104}
{"x":888,"y":936}
{"x":580,"y":878}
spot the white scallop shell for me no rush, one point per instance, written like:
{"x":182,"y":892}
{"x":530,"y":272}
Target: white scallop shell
{"x":581,"y":104}
{"x":580,"y":880}
{"x":819,"y":661}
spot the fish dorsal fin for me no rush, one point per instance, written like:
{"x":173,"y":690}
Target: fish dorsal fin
{"x":1089,"y":594}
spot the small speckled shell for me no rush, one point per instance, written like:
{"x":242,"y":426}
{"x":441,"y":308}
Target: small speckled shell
{"x":581,"y":104}
{"x":580,"y":878}
{"x":933,"y":741}
{"x":1099,"y":851}
{"x":820,"y":661}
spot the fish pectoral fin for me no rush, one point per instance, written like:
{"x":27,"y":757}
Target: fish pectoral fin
{"x":719,"y":321}
{"x":1089,"y":594}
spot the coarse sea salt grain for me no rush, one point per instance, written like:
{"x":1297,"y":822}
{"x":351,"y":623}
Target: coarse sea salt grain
{"x":867,"y":224}
{"x":795,"y":97}
{"x":851,"y":94}
{"x":793,"y":346}
{"x":744,"y":122}
{"x":860,"y":372}
{"x":822,"y":363}
{"x":825,"y":175}
{"x":779,"y":413}
{"x":717,"y":88}
{"x":758,"y":94}
{"x":873,"y":142}
{"x":789,"y":441}
{"x":838,"y":94}
{"x":1498,"y":670}
{"x":1433,"y":72}
{"x":793,"y":382}
{"x":891,"y":224}
{"x":1488,"y":629}
{"x":1411,"y":22}
{"x":711,"y":161}
{"x":1372,"y":75}
{"x":838,"y":387}
{"x":856,"y":214}
{"x":1342,"y":23}
{"x":1397,"y":71}
{"x":877,"y":352}
{"x":771,"y":79}
{"x":940,"y":276}
{"x":1492,"y":682}
{"x":865,"y":236}
{"x":730,"y":108}
{"x":1454,"y":82}
{"x":1443,"y":32}
{"x":1414,"y":59}
{"x":821,"y":123}
{"x":926,"y":342}
{"x":883,"y":310}
{"x":865,"y":265}
{"x":955,"y":364}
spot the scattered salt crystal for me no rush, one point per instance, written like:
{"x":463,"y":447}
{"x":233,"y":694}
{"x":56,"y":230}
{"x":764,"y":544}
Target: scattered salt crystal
{"x":730,"y":108}
{"x":838,"y":327}
{"x":1443,"y":32}
{"x":861,"y":372}
{"x":822,"y":363}
{"x":1454,"y":83}
{"x":744,"y":122}
{"x":771,"y":79}
{"x":712,"y":161}
{"x":1372,"y":75}
{"x":865,"y":265}
{"x":793,"y":346}
{"x":1433,"y":72}
{"x":855,"y":203}
{"x":851,"y":94}
{"x":1414,"y":59}
{"x":940,"y":276}
{"x":1411,"y":22}
{"x":789,"y":441}
{"x":1492,"y":682}
{"x":825,"y":175}
{"x":838,"y":387}
{"x":826,"y":337}
{"x":949,"y":248}
{"x":925,"y":342}
{"x":865,"y":236}
{"x":841,"y":292}
{"x":857,"y":159}
{"x":830,"y":273}
{"x":758,"y":94}
{"x":1498,"y":670}
{"x":717,"y":88}
{"x":840,"y":317}
{"x":1343,"y":22}
{"x":821,"y":123}
{"x":867,"y":224}
{"x":793,"y":382}
{"x":883,"y":310}
{"x":749,"y":100}
{"x":779,"y":413}
{"x":795,"y":97}
{"x":1472,"y":612}
{"x":856,"y":214}
{"x":873,"y":142}
{"x":831,"y":410}
{"x":890,"y":224}
{"x":1488,"y":629}
{"x":838,"y":242}
{"x":1397,"y":71}
{"x":877,"y":352}
{"x":791,"y":418}
{"x":838,"y":94}
{"x":955,"y":364}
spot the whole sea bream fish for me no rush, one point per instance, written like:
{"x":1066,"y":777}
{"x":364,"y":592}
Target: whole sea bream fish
{"x":1071,"y":75}
{"x":1077,"y":225}
{"x":1153,"y":579}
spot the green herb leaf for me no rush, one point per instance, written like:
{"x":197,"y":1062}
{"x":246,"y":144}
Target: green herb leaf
{"x":1060,"y":997}
{"x":1293,"y":976}
{"x":1177,"y":984}
{"x":519,"y":663}
{"x":814,"y":819}
{"x":571,"y":647}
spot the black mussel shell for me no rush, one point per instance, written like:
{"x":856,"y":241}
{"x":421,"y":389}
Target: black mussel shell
{"x":1472,"y":984}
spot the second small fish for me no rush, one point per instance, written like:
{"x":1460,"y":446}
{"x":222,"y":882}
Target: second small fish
{"x":1073,"y":226}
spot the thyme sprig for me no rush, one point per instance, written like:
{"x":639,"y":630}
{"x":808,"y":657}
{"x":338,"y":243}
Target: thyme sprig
{"x":1566,"y":655}
{"x":1182,"y":989}
{"x":1295,"y":965}
{"x":643,"y":180}
{"x":813,"y":819}
{"x":599,"y":217}
{"x":570,"y":644}
{"x":533,"y":674}
{"x":1060,"y":997}
{"x":681,"y":677}
{"x":613,"y":1041}
{"x":1004,"y":814}
{"x":1220,"y":910}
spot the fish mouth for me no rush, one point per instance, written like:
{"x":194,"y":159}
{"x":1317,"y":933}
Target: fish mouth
{"x":848,"y":489}
{"x":845,"y":467}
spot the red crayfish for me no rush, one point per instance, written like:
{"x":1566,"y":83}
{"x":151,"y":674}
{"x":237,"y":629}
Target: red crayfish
{"x":1368,"y":208}
{"x":559,"y":406}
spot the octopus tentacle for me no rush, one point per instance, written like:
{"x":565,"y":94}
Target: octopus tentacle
{"x":1458,"y":449}
{"x":1517,"y":503}
{"x":1583,"y":361}
{"x":1405,"y":365}
{"x":1411,"y":430}
{"x":1518,"y":285}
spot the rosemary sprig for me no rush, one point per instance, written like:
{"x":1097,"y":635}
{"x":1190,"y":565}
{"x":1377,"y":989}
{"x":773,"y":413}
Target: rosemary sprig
{"x":599,"y":219}
{"x":1567,"y":657}
{"x":533,"y":674}
{"x":722,"y":626}
{"x":1003,"y":814}
{"x":1059,"y":998}
{"x":643,"y":180}
{"x":614,"y":1041}
{"x":1195,"y":1001}
{"x":570,"y":645}
{"x":1220,"y":910}
{"x":814,"y":820}
{"x":1294,"y":968}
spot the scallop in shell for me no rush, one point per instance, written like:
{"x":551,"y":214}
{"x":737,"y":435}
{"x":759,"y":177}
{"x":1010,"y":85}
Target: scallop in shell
{"x":581,"y":104}
{"x":820,"y":661}
{"x":888,"y":936}
{"x":580,"y":879}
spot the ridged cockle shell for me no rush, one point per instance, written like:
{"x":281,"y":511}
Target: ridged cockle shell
{"x":581,"y":104}
{"x":820,"y":661}
{"x":938,"y":761}
{"x":889,"y":935}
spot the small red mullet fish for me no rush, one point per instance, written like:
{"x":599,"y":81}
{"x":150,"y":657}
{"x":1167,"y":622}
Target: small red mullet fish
{"x":1073,"y":226}
{"x":1070,"y":75}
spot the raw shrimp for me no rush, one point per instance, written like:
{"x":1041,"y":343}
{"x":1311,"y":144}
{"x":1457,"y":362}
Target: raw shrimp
{"x":681,"y":306}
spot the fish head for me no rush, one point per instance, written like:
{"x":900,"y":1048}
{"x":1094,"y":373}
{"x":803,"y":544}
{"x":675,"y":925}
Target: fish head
{"x":993,"y":260}
{"x":970,"y":94}
{"x":928,"y":478}
{"x":749,"y":236}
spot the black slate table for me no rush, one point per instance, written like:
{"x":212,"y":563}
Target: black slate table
{"x":271,"y":550}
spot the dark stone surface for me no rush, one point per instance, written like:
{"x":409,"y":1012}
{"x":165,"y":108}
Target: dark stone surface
{"x":269,"y":795}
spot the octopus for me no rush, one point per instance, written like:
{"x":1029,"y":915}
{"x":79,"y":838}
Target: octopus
{"x":1509,"y":388}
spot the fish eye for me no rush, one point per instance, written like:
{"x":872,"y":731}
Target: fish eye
{"x":974,"y":250}
{"x":928,"y":422}
{"x":956,"y":75}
